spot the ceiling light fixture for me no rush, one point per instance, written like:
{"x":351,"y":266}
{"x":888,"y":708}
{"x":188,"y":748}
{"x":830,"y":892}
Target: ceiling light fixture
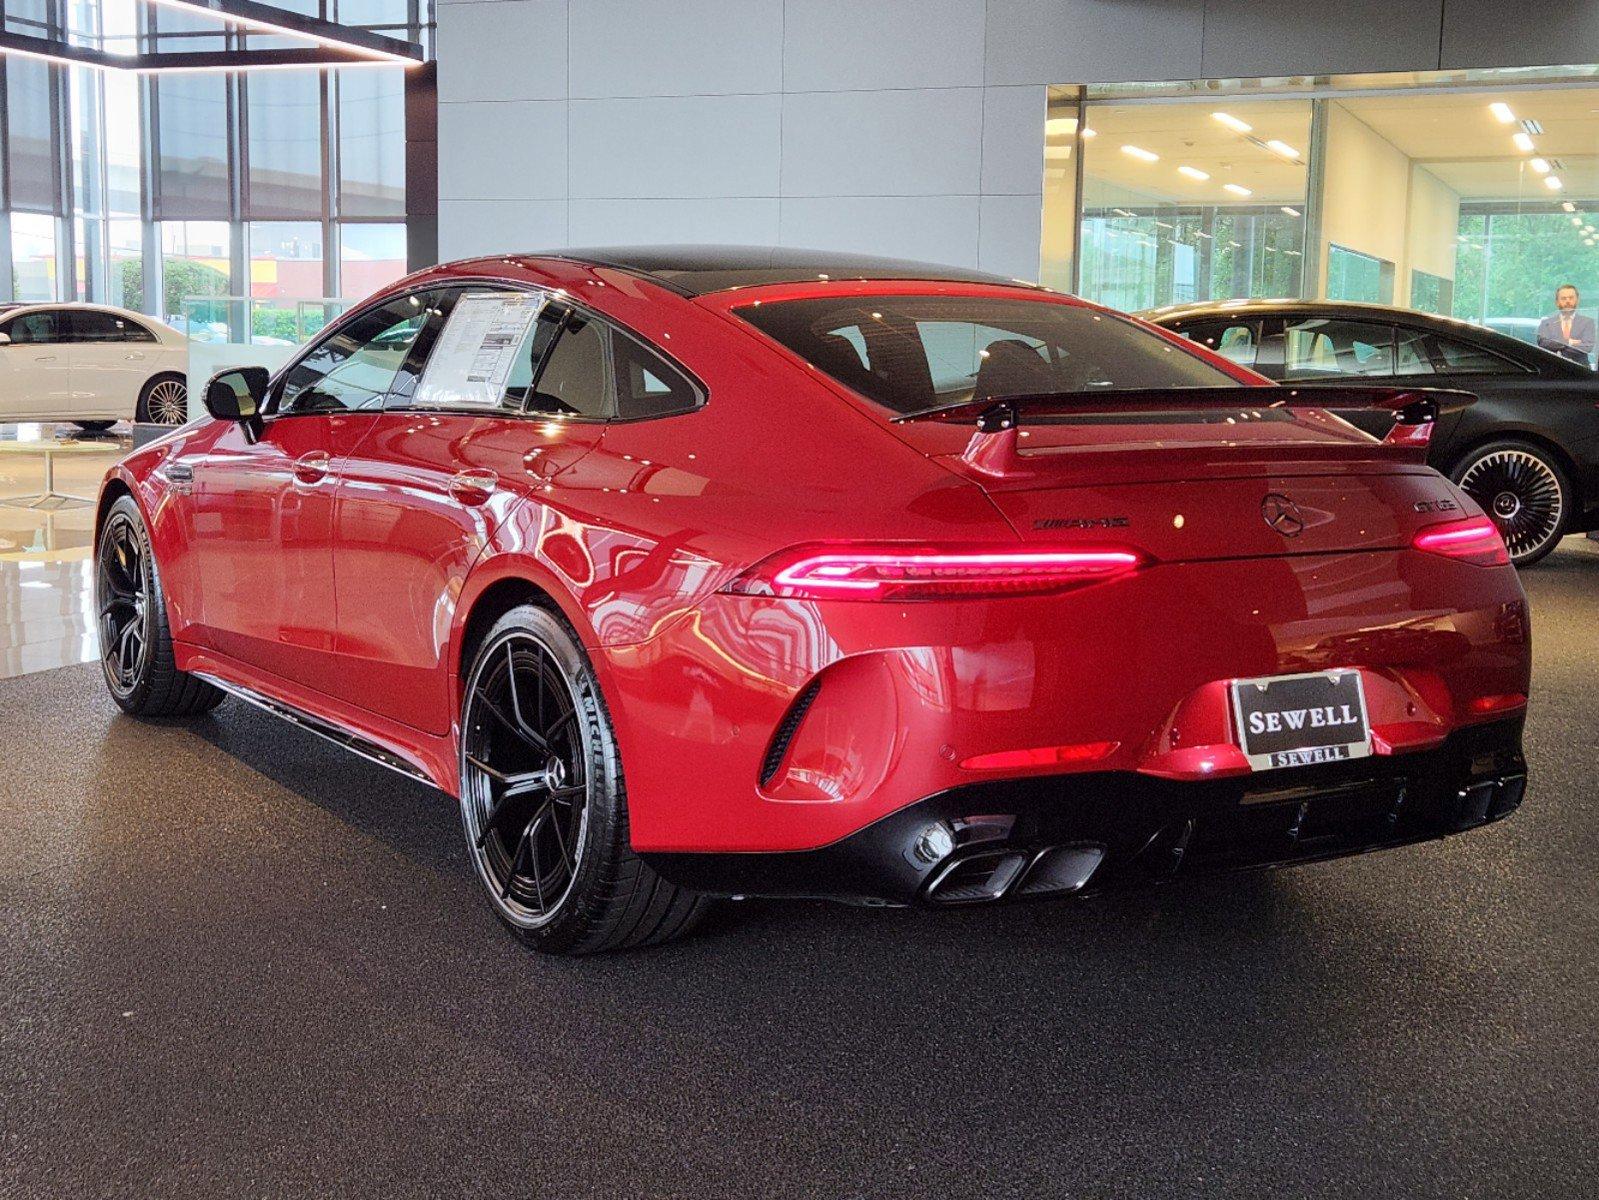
{"x":1523,"y":141}
{"x":1283,"y":148}
{"x":1552,"y":182}
{"x":1236,"y":189}
{"x":1568,"y":206}
{"x":266,"y":25}
{"x":1540,"y":165}
{"x":1291,"y":210}
{"x":1141,"y":154}
{"x":1193,"y":172}
{"x":1502,"y":113}
{"x":1232,"y":122}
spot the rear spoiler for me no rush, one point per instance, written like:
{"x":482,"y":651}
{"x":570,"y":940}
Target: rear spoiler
{"x":993,"y":449}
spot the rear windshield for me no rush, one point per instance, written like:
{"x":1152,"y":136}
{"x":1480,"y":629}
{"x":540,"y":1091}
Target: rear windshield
{"x":914,"y":353}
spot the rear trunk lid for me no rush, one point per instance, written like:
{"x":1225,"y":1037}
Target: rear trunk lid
{"x":1234,"y":481}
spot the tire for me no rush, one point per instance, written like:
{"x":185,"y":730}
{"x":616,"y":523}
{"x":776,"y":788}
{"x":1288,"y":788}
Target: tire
{"x":1524,"y":489}
{"x":164,"y":401}
{"x":543,"y":801}
{"x":94,"y":426}
{"x":135,"y":643}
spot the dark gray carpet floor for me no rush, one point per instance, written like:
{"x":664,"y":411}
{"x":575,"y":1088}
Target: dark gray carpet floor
{"x":235,"y":962}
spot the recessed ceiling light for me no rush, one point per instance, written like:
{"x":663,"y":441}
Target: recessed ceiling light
{"x":1232,"y":122}
{"x":1501,"y":112}
{"x":1552,"y":182}
{"x":1236,"y":189}
{"x":1540,"y":165}
{"x":1282,"y":148}
{"x":1088,"y":133}
{"x":1523,"y":142}
{"x":1060,"y":126}
{"x":1141,"y":154}
{"x":1291,"y":210}
{"x":1193,"y":172}
{"x":1568,"y":206}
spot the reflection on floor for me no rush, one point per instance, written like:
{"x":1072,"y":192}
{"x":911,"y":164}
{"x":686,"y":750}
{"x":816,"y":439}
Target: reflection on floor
{"x":46,"y":577}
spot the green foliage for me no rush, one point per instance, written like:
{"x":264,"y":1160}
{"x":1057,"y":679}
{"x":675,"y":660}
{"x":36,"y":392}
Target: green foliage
{"x":1509,"y":264}
{"x":182,"y":278}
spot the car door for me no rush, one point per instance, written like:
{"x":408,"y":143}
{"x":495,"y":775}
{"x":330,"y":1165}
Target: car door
{"x":263,"y":509}
{"x":35,"y":374}
{"x":110,"y":357}
{"x":440,"y":471}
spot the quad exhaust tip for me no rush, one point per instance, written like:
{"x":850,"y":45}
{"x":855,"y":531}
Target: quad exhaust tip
{"x":988,"y":875}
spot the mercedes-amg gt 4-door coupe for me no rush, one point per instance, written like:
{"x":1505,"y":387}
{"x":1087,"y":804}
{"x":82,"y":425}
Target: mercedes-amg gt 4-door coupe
{"x":1527,"y":450}
{"x":699,"y":572}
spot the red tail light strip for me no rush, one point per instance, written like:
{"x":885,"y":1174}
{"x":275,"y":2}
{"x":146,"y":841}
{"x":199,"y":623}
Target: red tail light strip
{"x":889,"y":573}
{"x":1474,"y":540}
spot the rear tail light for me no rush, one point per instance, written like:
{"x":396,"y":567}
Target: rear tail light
{"x":1473,"y":540}
{"x":1041,"y":756}
{"x":898,"y":573}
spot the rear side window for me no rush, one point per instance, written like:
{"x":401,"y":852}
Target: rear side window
{"x":572,"y":381}
{"x":1318,"y":348}
{"x":1237,"y":341}
{"x":914,"y":353}
{"x":1459,"y":358}
{"x":89,"y":325}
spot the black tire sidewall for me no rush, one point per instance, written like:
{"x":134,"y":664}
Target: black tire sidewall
{"x":135,"y":698}
{"x":1567,"y":496}
{"x":605,"y":836}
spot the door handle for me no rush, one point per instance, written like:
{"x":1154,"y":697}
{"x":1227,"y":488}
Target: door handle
{"x":473,"y":487}
{"x":312,"y":467}
{"x":135,"y":356}
{"x":44,"y":358}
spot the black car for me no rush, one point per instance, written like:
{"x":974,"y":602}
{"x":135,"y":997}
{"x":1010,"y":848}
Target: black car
{"x":1527,"y":450}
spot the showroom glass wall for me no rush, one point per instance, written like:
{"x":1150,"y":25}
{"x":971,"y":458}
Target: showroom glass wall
{"x":235,"y":205}
{"x":1473,"y":194}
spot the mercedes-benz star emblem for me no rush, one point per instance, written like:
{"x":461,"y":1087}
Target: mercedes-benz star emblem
{"x":1282,"y":514}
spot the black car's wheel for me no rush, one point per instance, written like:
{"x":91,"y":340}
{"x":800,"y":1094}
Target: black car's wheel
{"x":164,"y":401}
{"x":135,"y":643}
{"x":543,"y":802}
{"x":1524,"y":490}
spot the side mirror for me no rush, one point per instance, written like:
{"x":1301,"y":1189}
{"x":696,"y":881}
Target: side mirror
{"x":237,"y":395}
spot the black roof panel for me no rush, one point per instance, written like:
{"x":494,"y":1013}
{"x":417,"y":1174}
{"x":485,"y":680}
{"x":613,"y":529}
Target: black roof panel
{"x":697,"y":270}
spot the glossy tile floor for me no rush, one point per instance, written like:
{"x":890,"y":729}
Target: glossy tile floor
{"x":46,"y":580}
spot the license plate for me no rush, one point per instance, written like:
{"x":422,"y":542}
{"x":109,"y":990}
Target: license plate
{"x":1298,"y":720}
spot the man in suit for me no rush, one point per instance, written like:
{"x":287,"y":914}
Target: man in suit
{"x":1568,"y":333}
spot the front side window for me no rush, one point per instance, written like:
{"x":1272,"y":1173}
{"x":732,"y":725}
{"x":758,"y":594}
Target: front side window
{"x":914,"y":353}
{"x":1319,"y":348}
{"x":33,"y":328}
{"x":356,"y":366}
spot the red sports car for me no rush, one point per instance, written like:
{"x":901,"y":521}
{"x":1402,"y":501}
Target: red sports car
{"x":707,"y":571}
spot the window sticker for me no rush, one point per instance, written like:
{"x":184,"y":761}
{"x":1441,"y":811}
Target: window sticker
{"x":477,"y":350}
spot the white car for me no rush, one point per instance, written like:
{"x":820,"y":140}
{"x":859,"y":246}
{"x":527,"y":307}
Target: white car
{"x":91,"y":365}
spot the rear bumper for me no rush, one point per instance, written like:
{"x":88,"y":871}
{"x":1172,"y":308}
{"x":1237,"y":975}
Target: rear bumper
{"x":1059,"y":835}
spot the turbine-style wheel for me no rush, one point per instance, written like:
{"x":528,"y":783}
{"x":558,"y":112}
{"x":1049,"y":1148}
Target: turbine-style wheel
{"x":1524,"y":490}
{"x":542,"y":799}
{"x":135,"y":642}
{"x":165,"y":401}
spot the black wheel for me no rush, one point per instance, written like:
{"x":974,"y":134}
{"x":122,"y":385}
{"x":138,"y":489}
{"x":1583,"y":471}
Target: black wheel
{"x":543,"y":802}
{"x":135,"y":643}
{"x":164,"y":401}
{"x":1524,"y":490}
{"x":94,"y":426}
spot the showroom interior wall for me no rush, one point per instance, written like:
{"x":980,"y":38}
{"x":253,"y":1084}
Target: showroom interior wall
{"x":909,"y":127}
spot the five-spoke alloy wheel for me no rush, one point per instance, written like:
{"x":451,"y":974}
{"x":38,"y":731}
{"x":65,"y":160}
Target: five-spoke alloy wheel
{"x":1524,"y":490}
{"x":543,"y":804}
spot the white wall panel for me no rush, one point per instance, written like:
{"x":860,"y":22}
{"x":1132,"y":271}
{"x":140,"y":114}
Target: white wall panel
{"x":472,"y":227}
{"x":503,"y":50}
{"x":676,"y":48}
{"x":641,"y":222}
{"x":1244,"y":38}
{"x":831,"y":45}
{"x":933,"y":228}
{"x":1094,"y":41}
{"x":508,"y":150}
{"x":1010,"y":232}
{"x":923,"y":142}
{"x":1013,"y":139}
{"x":665,"y":147}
